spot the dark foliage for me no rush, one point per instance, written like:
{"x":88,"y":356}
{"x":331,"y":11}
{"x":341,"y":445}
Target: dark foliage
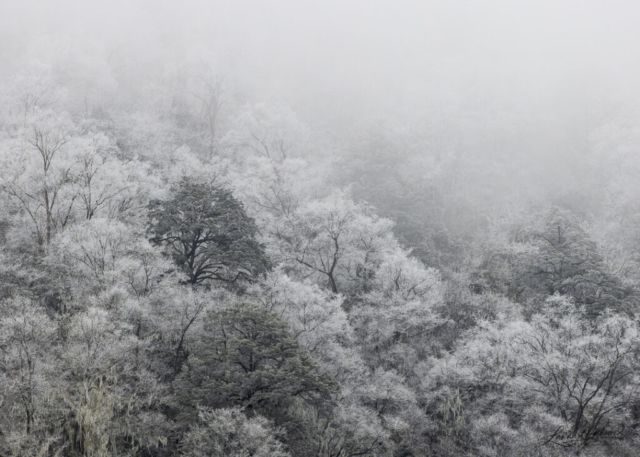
{"x":208,"y":234}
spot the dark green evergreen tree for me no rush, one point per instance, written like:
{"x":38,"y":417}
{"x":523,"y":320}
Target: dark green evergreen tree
{"x":206,"y":231}
{"x":568,"y":262}
{"x":247,"y":357}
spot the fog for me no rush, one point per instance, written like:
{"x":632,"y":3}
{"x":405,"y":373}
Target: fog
{"x":537,"y":77}
{"x":520,"y":86}
{"x":371,"y":53}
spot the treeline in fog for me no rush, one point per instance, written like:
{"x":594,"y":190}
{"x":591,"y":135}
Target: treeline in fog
{"x":196,"y":263}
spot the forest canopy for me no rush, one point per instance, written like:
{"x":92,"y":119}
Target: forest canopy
{"x":345,"y":230}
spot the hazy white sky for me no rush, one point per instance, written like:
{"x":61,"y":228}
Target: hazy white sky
{"x":366,"y":50}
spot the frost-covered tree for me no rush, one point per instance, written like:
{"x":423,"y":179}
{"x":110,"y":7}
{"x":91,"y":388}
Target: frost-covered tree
{"x":99,"y":254}
{"x":109,"y":186}
{"x":28,"y":378}
{"x":273,"y":132}
{"x":39,"y":169}
{"x":228,"y":432}
{"x":335,"y":241}
{"x":561,"y":379}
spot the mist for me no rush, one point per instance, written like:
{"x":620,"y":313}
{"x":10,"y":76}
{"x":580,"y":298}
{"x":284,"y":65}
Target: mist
{"x":378,"y":53}
{"x":339,"y":64}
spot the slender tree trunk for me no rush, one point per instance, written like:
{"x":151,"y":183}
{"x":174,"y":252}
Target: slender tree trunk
{"x":48,"y":210}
